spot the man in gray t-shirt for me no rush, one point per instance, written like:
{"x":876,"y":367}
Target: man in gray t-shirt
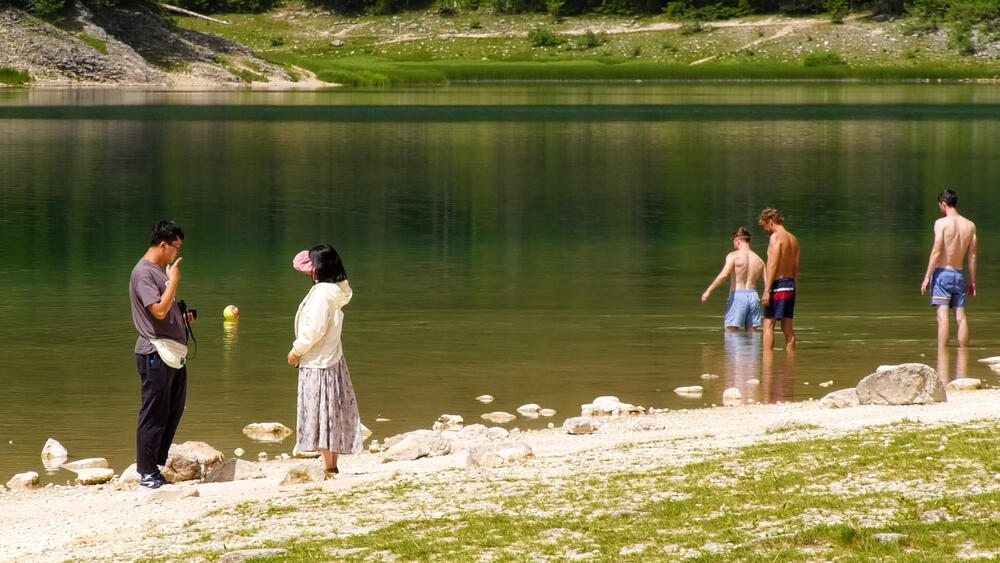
{"x":156,"y":315}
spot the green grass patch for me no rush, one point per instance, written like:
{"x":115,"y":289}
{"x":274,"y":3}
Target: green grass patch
{"x":13,"y":76}
{"x":373,"y":71}
{"x":819,"y":500}
{"x":99,"y":45}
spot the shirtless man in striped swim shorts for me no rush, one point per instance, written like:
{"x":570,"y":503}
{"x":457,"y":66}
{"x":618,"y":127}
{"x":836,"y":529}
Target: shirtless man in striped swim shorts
{"x":780,"y":279}
{"x":743,"y":307}
{"x":954,"y":238}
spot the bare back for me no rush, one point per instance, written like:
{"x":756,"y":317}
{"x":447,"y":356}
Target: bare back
{"x":783,"y":255}
{"x":748,"y":267}
{"x":954,"y":234}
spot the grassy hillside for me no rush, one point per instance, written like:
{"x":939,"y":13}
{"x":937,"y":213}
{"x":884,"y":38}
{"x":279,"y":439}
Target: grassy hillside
{"x":477,"y":46}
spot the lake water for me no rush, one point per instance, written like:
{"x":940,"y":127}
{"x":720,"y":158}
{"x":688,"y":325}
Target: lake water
{"x":544,"y":244}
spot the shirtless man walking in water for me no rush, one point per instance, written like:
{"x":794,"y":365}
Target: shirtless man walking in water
{"x":743,"y":307}
{"x":780,"y":279}
{"x":954,"y":238}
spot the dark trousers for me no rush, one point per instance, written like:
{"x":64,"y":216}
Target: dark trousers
{"x":164,"y":392}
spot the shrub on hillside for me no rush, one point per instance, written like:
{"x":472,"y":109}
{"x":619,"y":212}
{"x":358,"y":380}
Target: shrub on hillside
{"x":823,"y":58}
{"x":542,"y":37}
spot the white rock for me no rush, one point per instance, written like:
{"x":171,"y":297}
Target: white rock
{"x":374,"y":447}
{"x":498,"y":417}
{"x":497,"y":433}
{"x":167,"y":494}
{"x":267,"y":431}
{"x":191,"y":460}
{"x":304,"y":473}
{"x":606,"y":403}
{"x":448,"y":422}
{"x":234,"y":470}
{"x":129,"y":478}
{"x":964,"y":384}
{"x":261,"y":456}
{"x":94,"y":476}
{"x":732,"y":397}
{"x":238,"y":452}
{"x":499,"y":453}
{"x":383,"y":419}
{"x":547,"y":412}
{"x":753,"y":382}
{"x":580,"y":425}
{"x":842,"y":399}
{"x":89,"y":463}
{"x":990,"y":360}
{"x":826,"y":383}
{"x":690,"y":391}
{"x":903,"y":384}
{"x":304,"y":454}
{"x":53,"y":453}
{"x":24,"y":481}
{"x":485,"y":398}
{"x":707,"y":376}
{"x":414,"y":445}
{"x":365,"y":432}
{"x":530,"y":409}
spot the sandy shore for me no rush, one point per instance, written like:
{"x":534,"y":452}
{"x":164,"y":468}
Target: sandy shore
{"x":101,"y":523}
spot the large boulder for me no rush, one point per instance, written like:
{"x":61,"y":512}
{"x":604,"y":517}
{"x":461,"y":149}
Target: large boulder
{"x":23,"y":481}
{"x":267,"y":431}
{"x":499,"y":453}
{"x":414,"y":445}
{"x":842,"y":399}
{"x":904,"y":384}
{"x":234,"y":470}
{"x":191,"y":460}
{"x":129,"y":478}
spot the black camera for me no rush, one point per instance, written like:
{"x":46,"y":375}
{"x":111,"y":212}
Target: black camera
{"x":184,"y":310}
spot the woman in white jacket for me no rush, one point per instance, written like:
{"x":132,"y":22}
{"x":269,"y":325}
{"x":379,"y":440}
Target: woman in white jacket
{"x":328,"y":418}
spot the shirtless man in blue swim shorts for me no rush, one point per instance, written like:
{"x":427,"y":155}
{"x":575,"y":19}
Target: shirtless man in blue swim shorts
{"x":780,"y":279}
{"x":743,"y":307}
{"x":954,"y":238}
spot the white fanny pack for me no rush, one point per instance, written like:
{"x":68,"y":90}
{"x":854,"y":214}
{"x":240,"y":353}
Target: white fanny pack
{"x":171,"y":352}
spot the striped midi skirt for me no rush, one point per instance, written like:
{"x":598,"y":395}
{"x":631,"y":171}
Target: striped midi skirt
{"x":328,"y":411}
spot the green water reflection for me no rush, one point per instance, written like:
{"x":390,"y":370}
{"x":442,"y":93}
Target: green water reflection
{"x":548,"y":255}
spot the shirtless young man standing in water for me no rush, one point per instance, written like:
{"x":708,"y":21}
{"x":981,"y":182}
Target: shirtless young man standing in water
{"x":743,"y":307}
{"x":780,"y":279}
{"x":954,"y":238}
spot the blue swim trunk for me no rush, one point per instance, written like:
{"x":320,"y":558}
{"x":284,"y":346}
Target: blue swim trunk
{"x":948,"y":288}
{"x":743,"y":309}
{"x":782,"y":304}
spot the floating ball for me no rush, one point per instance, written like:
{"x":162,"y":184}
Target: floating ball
{"x":231,"y":312}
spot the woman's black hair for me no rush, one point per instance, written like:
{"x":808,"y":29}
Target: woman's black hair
{"x":326,"y":264}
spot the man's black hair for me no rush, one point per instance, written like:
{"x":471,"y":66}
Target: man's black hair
{"x":165,"y":231}
{"x":948,"y":197}
{"x":327,"y":264}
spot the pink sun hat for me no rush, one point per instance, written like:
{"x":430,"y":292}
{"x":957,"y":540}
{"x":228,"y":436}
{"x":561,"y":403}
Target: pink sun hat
{"x":302,"y":263}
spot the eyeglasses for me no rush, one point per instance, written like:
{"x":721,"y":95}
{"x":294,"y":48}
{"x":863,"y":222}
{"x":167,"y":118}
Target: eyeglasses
{"x":177,"y":247}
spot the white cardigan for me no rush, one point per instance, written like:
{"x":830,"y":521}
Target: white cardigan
{"x":318,"y":324}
